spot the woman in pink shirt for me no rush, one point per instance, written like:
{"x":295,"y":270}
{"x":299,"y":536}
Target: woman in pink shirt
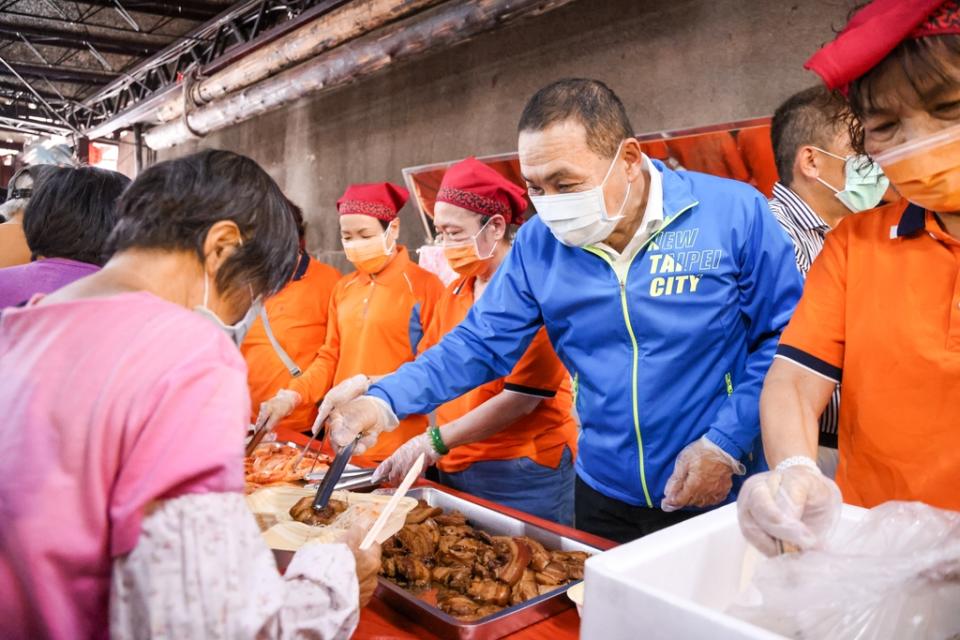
{"x":125,"y":408}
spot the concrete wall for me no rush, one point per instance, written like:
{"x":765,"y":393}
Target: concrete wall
{"x":675,"y":64}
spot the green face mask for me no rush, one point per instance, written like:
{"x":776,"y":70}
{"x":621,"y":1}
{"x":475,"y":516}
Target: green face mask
{"x":865,"y":183}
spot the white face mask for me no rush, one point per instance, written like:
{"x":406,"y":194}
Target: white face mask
{"x":236,"y":332}
{"x":580,"y":219}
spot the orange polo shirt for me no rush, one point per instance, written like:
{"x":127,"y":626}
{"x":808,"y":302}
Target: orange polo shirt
{"x":375,"y":326}
{"x":881,"y":310}
{"x":540,"y":435}
{"x":298,"y":319}
{"x":13,"y":245}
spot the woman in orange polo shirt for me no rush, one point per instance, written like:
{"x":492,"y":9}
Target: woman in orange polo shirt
{"x":377,"y":314}
{"x":881,"y":307}
{"x":297,"y":321}
{"x":512,"y":440}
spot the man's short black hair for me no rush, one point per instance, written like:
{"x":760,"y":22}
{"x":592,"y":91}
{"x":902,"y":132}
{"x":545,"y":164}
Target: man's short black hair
{"x":813,"y":116}
{"x":590,"y":102}
{"x":72,"y":212}
{"x":173,"y":204}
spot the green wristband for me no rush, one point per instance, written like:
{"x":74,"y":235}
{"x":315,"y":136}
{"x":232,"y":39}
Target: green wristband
{"x":437,"y":441}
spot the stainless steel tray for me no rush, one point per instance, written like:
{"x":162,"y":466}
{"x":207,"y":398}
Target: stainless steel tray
{"x":353,"y":479}
{"x":505,"y":621}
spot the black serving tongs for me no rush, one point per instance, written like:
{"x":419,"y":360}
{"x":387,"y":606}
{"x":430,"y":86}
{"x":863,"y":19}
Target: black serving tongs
{"x":332,"y":476}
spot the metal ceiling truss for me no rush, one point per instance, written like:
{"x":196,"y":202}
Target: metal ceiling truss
{"x":236,"y":30}
{"x":179,"y":9}
{"x":73,"y":39}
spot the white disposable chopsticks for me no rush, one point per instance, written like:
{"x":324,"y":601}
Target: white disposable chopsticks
{"x":401,"y":491}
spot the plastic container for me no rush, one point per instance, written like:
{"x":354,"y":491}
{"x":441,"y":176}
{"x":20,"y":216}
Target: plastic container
{"x":676,"y":583}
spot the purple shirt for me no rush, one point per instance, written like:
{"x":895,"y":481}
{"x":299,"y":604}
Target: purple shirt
{"x":19,"y":284}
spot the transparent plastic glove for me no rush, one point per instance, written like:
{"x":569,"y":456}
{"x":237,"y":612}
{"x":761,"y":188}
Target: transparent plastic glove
{"x":277,"y":408}
{"x":798,"y":506}
{"x":887,"y":576}
{"x":395,"y":468}
{"x":702,"y":476}
{"x":340,"y":395}
{"x":365,"y":416}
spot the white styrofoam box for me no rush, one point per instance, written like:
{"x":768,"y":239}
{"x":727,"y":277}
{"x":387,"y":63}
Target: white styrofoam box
{"x":675,"y":584}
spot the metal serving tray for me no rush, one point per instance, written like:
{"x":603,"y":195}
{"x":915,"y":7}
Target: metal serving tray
{"x":354,"y":478}
{"x":505,"y":621}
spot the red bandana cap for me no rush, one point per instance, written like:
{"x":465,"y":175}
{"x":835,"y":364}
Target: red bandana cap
{"x":380,"y":200}
{"x":474,"y":186}
{"x":875,"y":31}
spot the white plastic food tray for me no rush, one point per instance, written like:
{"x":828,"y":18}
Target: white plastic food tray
{"x":675,"y":584}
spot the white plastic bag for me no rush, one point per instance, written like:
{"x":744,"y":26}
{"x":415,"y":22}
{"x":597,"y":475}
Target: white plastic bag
{"x":893,"y":576}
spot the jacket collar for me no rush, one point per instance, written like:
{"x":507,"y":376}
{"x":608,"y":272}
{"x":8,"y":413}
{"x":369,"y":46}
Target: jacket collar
{"x":912,"y":221}
{"x":677,"y":196}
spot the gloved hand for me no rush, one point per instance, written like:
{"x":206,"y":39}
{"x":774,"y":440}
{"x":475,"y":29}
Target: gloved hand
{"x":340,"y":395}
{"x":277,"y":408}
{"x":395,"y":468}
{"x":366,"y":416}
{"x":702,"y":476}
{"x":797,"y":505}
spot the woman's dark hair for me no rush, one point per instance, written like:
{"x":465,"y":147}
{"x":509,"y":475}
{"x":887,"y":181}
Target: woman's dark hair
{"x":72,"y":212}
{"x":925,"y":63}
{"x":173,"y":204}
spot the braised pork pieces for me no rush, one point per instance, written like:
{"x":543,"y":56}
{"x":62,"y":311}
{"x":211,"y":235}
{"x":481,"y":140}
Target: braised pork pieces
{"x":475,"y":574}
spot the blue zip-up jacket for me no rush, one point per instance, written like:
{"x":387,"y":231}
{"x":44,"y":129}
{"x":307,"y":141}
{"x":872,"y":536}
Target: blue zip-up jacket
{"x":675,"y":351}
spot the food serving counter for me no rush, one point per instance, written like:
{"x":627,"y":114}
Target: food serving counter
{"x":382,"y":620}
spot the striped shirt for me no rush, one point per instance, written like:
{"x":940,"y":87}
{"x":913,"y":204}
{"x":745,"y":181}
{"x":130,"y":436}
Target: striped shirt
{"x":807,"y":230}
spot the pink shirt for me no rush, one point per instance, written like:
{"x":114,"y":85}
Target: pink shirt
{"x":107,"y":405}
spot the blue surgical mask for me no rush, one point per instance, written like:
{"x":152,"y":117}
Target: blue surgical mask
{"x":864,"y":183}
{"x":236,"y":332}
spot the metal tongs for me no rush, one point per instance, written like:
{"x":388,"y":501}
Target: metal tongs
{"x":316,"y":431}
{"x":258,"y":435}
{"x":332,"y":476}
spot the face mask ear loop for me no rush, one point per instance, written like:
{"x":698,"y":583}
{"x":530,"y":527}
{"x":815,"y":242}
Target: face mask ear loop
{"x":387,"y":251}
{"x":828,"y":185}
{"x":625,"y":195}
{"x":613,"y":163}
{"x":832,"y":155}
{"x":623,"y":204}
{"x":476,"y":242}
{"x":206,"y":288}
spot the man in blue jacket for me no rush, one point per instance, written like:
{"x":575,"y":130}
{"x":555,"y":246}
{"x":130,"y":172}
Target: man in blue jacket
{"x":664,"y":294}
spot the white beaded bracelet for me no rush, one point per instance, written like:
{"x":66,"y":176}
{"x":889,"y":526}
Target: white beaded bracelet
{"x":797,"y":461}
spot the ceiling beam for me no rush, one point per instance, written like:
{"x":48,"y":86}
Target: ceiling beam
{"x":11,"y":89}
{"x":69,"y":75}
{"x":186,"y":9}
{"x":31,"y":127}
{"x":77,"y":40}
